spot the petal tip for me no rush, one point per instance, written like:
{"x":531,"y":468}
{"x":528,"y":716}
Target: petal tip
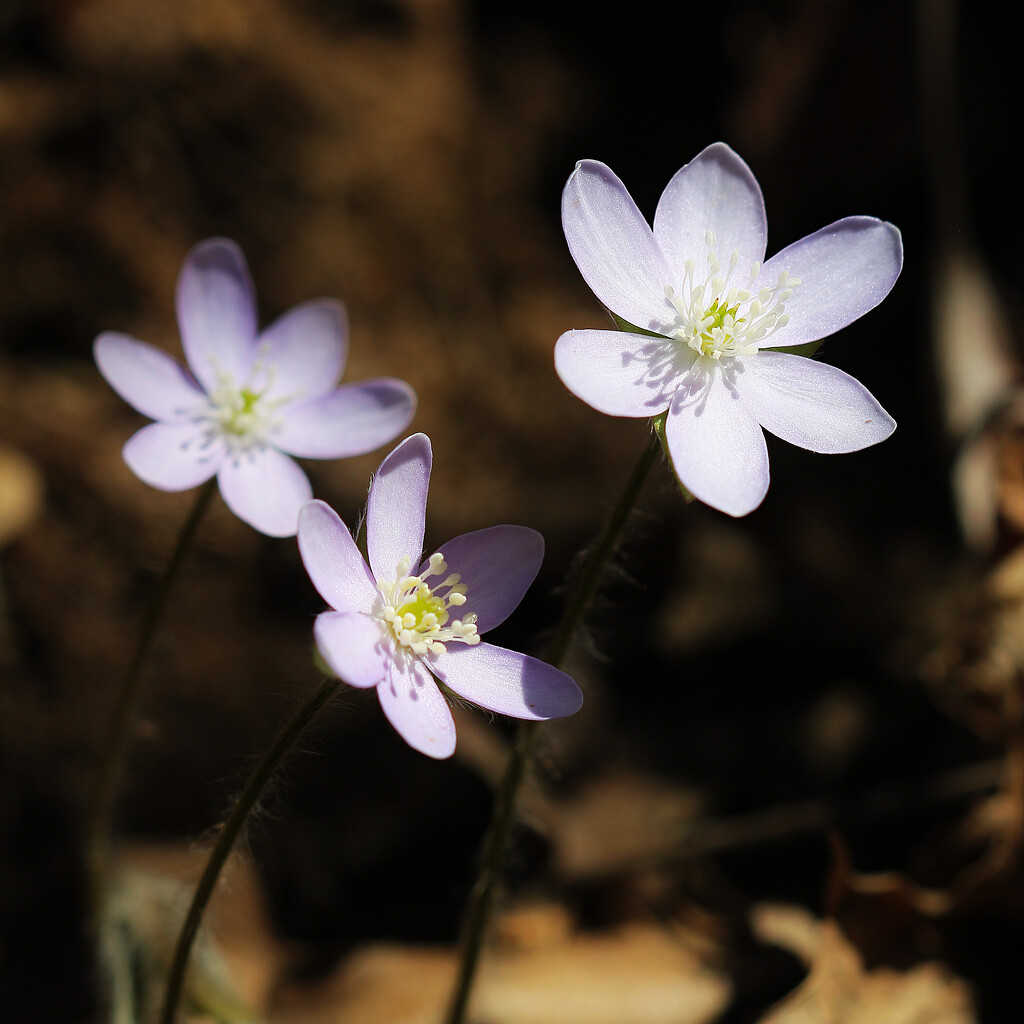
{"x":444,"y":749}
{"x":314,"y":515}
{"x":316,"y":507}
{"x":105,"y":347}
{"x":414,"y":446}
{"x":571,"y":699}
{"x":405,"y":391}
{"x":218,"y":245}
{"x":102,"y":343}
{"x":720,"y":150}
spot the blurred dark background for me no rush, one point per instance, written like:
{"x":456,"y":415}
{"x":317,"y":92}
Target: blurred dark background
{"x":406,"y":156}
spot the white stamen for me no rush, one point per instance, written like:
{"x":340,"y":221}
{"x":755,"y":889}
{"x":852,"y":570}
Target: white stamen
{"x":418,"y":615}
{"x":243,"y":415}
{"x":717,"y":320}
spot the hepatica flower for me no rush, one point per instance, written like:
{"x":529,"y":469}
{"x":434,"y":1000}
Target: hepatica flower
{"x":403,"y":620}
{"x":249,"y":400}
{"x":714,"y":311}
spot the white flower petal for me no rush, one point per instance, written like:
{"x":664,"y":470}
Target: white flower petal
{"x":146,"y":378}
{"x":507,"y":682}
{"x":306,"y":350}
{"x":614,"y":247}
{"x":718,"y":450}
{"x":352,"y":646}
{"x":618,"y":373}
{"x":353,"y":420}
{"x":329,"y":553}
{"x":264,"y":488}
{"x":217,"y":313}
{"x":715,"y":191}
{"x":812,"y":404}
{"x":397,"y":507}
{"x":174,"y":456}
{"x":844,"y":270}
{"x":417,"y":709}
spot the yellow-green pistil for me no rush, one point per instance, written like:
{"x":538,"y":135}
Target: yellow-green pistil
{"x":717,"y":318}
{"x":241,"y":416}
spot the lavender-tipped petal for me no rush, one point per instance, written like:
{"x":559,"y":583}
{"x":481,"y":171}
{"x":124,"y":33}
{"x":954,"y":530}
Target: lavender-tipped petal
{"x":216,"y":306}
{"x":844,"y":270}
{"x":613,"y":245}
{"x":496,"y":566}
{"x":147,"y":379}
{"x":397,"y":506}
{"x":307,"y":346}
{"x":716,"y":192}
{"x":507,"y":682}
{"x":812,"y":404}
{"x":353,"y":420}
{"x":332,"y":560}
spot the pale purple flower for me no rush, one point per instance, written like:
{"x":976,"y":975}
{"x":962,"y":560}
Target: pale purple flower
{"x":252,"y":400}
{"x":402,"y":620}
{"x":698,"y":283}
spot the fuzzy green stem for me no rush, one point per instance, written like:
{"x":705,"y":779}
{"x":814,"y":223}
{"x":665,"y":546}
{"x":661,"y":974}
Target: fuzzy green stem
{"x":111,"y":753}
{"x":481,"y":899}
{"x":226,"y":840}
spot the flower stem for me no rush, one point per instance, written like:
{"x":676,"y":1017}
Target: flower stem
{"x":481,"y":899}
{"x":225,"y":841}
{"x":111,"y":752}
{"x":597,"y":559}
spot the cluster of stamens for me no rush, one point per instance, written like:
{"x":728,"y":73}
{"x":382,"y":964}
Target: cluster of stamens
{"x":708,"y":316}
{"x":244,"y":416}
{"x":419,"y":614}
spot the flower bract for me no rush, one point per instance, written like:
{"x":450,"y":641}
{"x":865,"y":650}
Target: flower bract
{"x":404,"y":621}
{"x":712,"y":314}
{"x":249,"y":400}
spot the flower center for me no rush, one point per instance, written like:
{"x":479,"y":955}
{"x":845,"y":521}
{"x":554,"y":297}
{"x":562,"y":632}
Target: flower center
{"x":418,"y":614}
{"x":244,"y":416}
{"x":717,"y":317}
{"x":238,"y":413}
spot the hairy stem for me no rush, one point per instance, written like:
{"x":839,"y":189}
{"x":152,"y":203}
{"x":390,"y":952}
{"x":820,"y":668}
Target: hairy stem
{"x":226,"y":840}
{"x":481,"y":899}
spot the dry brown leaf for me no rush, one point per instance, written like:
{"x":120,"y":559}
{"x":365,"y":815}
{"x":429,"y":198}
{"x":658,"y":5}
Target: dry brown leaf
{"x":973,"y":343}
{"x":643,"y":974}
{"x":977,"y":373}
{"x":988,"y":478}
{"x":838,"y":989}
{"x":236,"y":925}
{"x":540,"y":970}
{"x":640,"y":973}
{"x":376,"y":985}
